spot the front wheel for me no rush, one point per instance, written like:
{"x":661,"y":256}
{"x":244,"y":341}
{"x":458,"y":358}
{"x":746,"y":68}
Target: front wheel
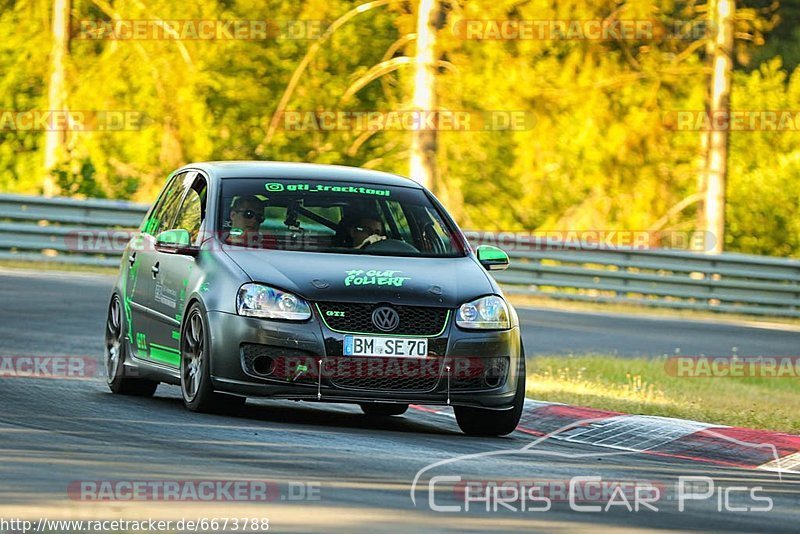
{"x":196,"y":389}
{"x":116,"y":351}
{"x":483,"y":422}
{"x":383,"y":409}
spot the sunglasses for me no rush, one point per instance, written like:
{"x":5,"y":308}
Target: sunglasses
{"x":378,"y":231}
{"x":251,"y":214}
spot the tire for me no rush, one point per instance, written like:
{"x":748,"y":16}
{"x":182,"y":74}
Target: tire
{"x":383,"y":409}
{"x":116,"y":353}
{"x":484,"y":422}
{"x":195,"y":369}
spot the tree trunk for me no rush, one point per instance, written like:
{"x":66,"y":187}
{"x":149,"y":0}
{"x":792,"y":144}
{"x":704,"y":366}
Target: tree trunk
{"x":55,"y":141}
{"x":721,"y":13}
{"x":424,"y":142}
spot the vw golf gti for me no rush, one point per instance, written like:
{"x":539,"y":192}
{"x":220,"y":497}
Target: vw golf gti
{"x":316,"y":283}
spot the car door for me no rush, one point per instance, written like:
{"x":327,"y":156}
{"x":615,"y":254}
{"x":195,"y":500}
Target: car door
{"x":142,"y":260}
{"x":133,"y":295}
{"x":174,"y":271}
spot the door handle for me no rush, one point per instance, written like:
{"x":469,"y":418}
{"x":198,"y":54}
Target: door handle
{"x":132,"y":259}
{"x":155,"y":270}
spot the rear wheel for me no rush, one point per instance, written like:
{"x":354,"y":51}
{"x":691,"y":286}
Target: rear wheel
{"x":116,"y":351}
{"x":484,"y":422}
{"x":383,"y":408}
{"x":196,"y":389}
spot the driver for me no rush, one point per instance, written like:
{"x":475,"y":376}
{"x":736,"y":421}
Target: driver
{"x":365,"y":231}
{"x":247,"y":214}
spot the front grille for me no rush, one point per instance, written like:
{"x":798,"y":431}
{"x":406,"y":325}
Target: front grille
{"x":384,"y":374}
{"x":357,"y":318}
{"x":287,"y":365}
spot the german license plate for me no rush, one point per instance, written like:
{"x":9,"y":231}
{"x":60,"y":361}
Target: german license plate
{"x":398,"y":347}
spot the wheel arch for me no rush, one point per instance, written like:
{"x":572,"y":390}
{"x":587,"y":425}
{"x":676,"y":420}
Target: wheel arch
{"x":191,"y":301}
{"x":196,"y":298}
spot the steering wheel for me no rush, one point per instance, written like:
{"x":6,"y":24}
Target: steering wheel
{"x":391,"y":245}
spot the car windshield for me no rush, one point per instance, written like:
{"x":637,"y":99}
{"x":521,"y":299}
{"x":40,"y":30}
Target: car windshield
{"x":340,"y":217}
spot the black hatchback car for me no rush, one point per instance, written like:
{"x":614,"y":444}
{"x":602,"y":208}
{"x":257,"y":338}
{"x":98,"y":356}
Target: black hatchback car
{"x":318,"y":283}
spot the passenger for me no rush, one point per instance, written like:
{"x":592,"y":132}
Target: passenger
{"x":363,"y":231}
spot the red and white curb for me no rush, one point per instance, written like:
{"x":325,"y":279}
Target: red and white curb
{"x":659,"y":436}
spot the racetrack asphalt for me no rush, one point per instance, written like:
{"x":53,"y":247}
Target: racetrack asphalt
{"x":55,"y":433}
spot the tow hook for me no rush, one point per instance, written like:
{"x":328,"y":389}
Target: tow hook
{"x":448,"y":384}
{"x":300,"y":371}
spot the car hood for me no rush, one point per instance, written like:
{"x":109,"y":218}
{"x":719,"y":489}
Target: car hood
{"x":365,"y":278}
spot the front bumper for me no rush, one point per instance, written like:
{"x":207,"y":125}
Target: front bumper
{"x":463,"y":367}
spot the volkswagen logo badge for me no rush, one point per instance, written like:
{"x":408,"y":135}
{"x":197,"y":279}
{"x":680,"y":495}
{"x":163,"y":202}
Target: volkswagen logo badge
{"x":385,"y":318}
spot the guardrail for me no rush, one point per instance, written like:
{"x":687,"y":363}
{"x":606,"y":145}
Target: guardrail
{"x":728,"y":283}
{"x":48,"y":229}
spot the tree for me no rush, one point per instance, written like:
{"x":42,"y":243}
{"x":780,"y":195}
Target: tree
{"x":422,"y":161}
{"x":599,"y":151}
{"x":721,"y":16}
{"x":55,"y":140}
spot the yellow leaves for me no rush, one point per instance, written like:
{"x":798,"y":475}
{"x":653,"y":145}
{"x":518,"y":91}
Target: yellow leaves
{"x":576,"y":381}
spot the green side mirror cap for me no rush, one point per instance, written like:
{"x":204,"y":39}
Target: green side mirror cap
{"x":492,"y":258}
{"x":174,"y":238}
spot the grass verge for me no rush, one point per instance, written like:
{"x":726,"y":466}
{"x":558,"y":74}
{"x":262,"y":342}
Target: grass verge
{"x":640,"y":386}
{"x":633,"y":309}
{"x":54,"y":266}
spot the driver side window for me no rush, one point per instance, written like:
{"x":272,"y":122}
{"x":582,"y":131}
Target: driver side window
{"x":151,"y":224}
{"x":165,"y":212}
{"x":191,"y":215}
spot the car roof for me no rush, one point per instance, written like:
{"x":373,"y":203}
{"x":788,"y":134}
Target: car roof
{"x":308,"y":171}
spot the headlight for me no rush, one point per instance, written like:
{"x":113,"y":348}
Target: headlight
{"x":256,"y":300}
{"x":488,"y":313}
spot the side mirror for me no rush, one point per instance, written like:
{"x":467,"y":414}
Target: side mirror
{"x":492,"y":258}
{"x":176,"y":242}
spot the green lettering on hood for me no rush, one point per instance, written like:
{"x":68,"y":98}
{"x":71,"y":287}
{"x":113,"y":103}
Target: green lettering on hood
{"x":374,"y":277}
